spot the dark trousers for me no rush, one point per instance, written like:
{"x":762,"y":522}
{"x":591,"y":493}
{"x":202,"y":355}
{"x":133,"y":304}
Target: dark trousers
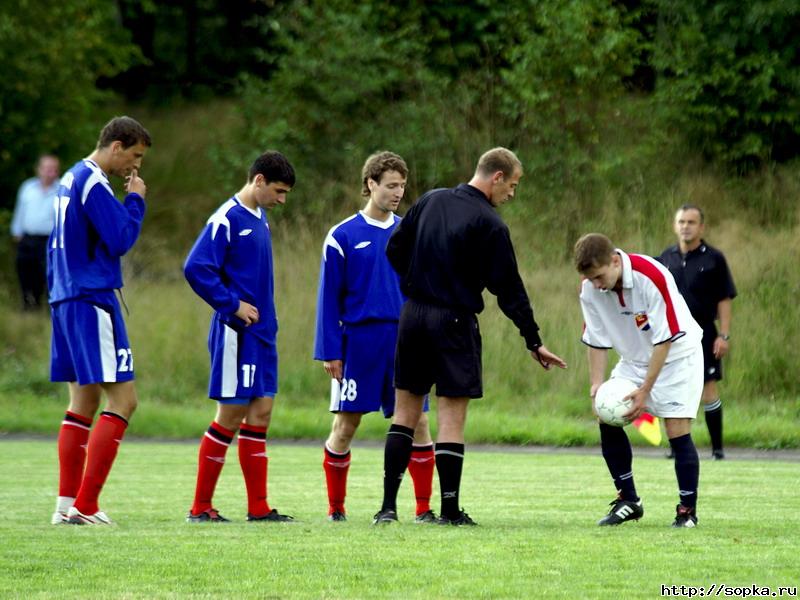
{"x":32,"y":270}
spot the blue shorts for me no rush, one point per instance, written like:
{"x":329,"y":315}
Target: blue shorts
{"x":367,"y":380}
{"x":89,"y":342}
{"x":242,"y":366}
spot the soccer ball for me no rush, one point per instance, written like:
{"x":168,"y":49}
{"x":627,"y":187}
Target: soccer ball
{"x":609,"y":401}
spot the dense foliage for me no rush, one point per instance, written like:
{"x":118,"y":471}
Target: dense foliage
{"x":329,"y":81}
{"x":51,"y":56}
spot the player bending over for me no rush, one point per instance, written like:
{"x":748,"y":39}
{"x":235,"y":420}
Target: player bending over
{"x":630,"y":303}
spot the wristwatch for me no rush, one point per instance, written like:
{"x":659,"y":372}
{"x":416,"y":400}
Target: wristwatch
{"x":725,"y":337}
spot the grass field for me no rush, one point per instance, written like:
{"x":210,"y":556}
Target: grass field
{"x":537,"y":536}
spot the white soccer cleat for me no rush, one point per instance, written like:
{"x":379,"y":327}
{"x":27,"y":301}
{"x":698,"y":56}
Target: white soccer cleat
{"x":59,"y":518}
{"x":78,"y":518}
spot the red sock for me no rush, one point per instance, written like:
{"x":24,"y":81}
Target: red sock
{"x":336,"y":467}
{"x":102,"y":449}
{"x":253,"y":460}
{"x":211,"y":458}
{"x":72,"y":439}
{"x":421,"y":467}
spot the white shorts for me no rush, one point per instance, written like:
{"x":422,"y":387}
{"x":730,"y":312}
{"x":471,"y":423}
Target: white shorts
{"x":678,"y":389}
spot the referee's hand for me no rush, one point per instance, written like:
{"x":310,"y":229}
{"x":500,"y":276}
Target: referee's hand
{"x":547,"y":359}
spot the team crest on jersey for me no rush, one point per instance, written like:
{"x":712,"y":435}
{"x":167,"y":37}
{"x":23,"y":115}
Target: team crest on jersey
{"x":641,"y":321}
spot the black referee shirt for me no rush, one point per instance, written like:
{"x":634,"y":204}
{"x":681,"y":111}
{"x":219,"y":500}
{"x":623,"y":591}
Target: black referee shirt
{"x":703,"y":279}
{"x":450,"y":246}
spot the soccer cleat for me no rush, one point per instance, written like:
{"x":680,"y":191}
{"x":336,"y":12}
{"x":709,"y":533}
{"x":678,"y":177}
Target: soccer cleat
{"x":272,"y":516}
{"x":76,"y":517}
{"x":717,"y":455}
{"x":337,"y":515}
{"x":461,"y":519}
{"x":684,"y":516}
{"x":210,"y":515}
{"x":383,"y":517}
{"x":427,"y":517}
{"x":59,"y":518}
{"x":621,"y":511}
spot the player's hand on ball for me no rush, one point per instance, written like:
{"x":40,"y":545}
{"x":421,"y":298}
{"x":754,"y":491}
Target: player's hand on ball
{"x":135,"y":184}
{"x":547,"y":359}
{"x":639,"y":399}
{"x":247,"y":313}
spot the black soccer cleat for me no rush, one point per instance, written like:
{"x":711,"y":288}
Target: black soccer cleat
{"x":685,"y":516}
{"x":717,"y":454}
{"x":272,"y":516}
{"x":337,"y":516}
{"x":210,"y":515}
{"x":621,"y":511}
{"x":427,"y":517}
{"x":460,"y":519}
{"x":384,"y":517}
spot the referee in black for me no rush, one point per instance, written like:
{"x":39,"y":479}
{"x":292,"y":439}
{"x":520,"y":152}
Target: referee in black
{"x":705,"y":281}
{"x":450,"y":246}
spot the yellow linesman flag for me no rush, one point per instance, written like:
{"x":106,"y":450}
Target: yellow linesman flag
{"x":649,"y":427}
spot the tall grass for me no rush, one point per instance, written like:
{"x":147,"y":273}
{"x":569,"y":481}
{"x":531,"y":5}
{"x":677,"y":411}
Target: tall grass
{"x":523,"y":404}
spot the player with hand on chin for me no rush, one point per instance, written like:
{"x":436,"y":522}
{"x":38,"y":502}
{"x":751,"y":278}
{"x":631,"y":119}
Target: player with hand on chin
{"x":230,"y":267}
{"x":90,"y":348}
{"x":630,"y":303}
{"x":357,"y":313}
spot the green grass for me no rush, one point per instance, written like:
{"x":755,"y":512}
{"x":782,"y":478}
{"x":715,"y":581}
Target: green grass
{"x":536,"y":538}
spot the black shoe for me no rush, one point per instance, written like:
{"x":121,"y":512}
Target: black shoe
{"x":461,"y":518}
{"x":210,"y":515}
{"x":717,"y":454}
{"x":670,"y":454}
{"x":684,"y":517}
{"x":273,"y":516}
{"x":383,"y":517}
{"x":337,"y":516}
{"x":621,"y":511}
{"x":427,"y":517}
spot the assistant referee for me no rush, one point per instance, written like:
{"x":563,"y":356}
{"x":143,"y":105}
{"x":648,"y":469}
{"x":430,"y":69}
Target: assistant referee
{"x":451,"y":246}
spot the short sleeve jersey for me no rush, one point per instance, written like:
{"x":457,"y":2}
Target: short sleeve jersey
{"x":703,"y":277}
{"x":647,"y":311}
{"x":357,"y":284}
{"x":232,"y":261}
{"x":92,"y":231}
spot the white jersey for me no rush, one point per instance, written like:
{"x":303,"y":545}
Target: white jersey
{"x":647,"y":311}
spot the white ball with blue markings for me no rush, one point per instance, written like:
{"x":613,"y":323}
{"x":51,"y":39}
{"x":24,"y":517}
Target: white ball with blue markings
{"x":610,"y":402}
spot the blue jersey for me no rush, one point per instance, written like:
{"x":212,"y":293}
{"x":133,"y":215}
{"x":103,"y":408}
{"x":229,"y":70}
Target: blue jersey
{"x":356,"y":284}
{"x":92,"y":231}
{"x":232,"y":261}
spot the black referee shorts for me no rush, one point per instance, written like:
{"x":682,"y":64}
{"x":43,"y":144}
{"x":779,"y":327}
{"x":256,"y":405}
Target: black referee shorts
{"x":712,"y":367}
{"x":438,"y":346}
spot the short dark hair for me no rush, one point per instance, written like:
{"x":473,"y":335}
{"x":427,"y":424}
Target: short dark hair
{"x":377,"y":164}
{"x":126,"y":130}
{"x":692,"y":207}
{"x":273,"y":166}
{"x":498,"y":159}
{"x":593,"y":250}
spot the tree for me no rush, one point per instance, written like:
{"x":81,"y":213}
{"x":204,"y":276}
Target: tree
{"x":52,"y":55}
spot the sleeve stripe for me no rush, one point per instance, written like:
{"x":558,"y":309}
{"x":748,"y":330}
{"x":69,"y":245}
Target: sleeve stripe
{"x":92,"y":181}
{"x":641,"y":265}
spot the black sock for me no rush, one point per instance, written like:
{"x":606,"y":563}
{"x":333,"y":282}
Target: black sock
{"x":396,"y":455}
{"x":713,"y":412}
{"x":619,"y":458}
{"x":449,"y":464}
{"x":687,"y":468}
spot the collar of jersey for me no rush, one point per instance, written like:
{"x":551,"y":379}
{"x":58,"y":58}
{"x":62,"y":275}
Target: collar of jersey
{"x":256,"y":213}
{"x":382,"y":224}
